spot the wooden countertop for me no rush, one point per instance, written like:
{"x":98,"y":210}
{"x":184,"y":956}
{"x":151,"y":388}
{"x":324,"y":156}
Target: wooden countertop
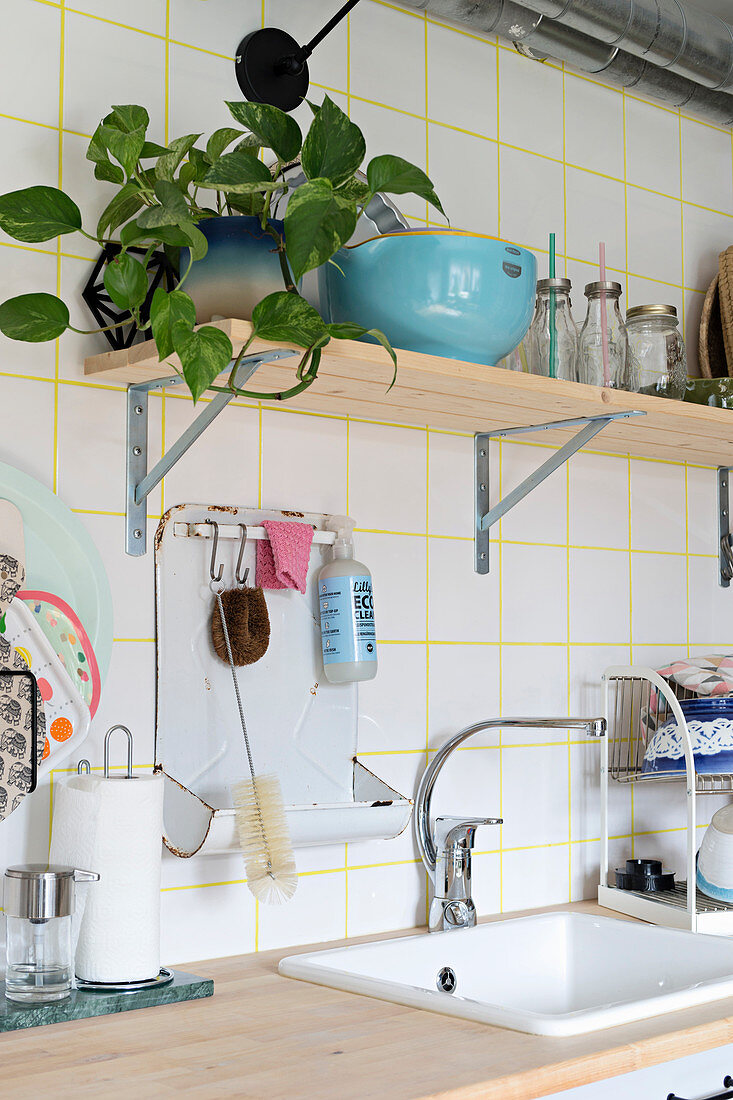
{"x":263,"y":1037}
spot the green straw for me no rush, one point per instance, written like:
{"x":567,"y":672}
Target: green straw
{"x":553,"y":334}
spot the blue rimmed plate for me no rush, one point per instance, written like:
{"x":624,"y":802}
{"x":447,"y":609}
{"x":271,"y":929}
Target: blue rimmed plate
{"x":710,"y":723}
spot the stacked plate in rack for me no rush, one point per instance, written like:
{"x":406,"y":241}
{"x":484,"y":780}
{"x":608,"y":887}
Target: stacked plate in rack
{"x":710,"y":723}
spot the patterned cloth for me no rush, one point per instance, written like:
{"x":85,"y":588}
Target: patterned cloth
{"x":283,"y":557}
{"x":705,"y":676}
{"x":16,"y":706}
{"x":711,"y":675}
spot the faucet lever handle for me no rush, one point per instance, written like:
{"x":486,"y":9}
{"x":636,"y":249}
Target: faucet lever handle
{"x":451,"y":831}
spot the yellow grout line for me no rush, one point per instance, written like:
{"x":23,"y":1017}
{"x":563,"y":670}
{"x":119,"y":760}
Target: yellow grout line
{"x":348,"y":63}
{"x":460,"y":30}
{"x":498,"y":545}
{"x":683,"y":318}
{"x":209,"y":53}
{"x":50,"y":811}
{"x":499,"y":447}
{"x":427,"y":127}
{"x":166,"y":73}
{"x":259,"y":464}
{"x":57,"y":347}
{"x":687,"y":557}
{"x":416,"y":862}
{"x":626,"y":197}
{"x":631,"y":632}
{"x":346,"y":890}
{"x":162,"y":448}
{"x":564,"y":172}
{"x":498,"y":148}
{"x":567,"y":674}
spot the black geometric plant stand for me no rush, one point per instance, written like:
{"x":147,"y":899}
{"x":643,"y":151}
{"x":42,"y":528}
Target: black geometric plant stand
{"x":103,"y":309}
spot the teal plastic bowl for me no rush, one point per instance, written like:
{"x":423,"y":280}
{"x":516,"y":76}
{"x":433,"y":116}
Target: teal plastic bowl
{"x":442,"y":292}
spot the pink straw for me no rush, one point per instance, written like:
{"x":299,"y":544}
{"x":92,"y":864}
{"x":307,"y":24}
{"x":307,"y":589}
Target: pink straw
{"x":604,"y":315}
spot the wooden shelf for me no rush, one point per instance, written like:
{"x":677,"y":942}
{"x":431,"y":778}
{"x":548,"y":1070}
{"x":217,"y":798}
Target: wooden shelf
{"x":466,"y":397}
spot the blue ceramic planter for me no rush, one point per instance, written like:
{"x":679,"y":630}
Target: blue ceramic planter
{"x":442,"y":292}
{"x":240,"y":268}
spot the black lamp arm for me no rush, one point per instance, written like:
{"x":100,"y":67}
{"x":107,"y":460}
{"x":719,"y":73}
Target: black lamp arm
{"x":294,"y":63}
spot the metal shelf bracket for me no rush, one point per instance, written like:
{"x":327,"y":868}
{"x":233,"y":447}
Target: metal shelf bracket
{"x":485,"y":515}
{"x":725,"y":540}
{"x":140,"y":482}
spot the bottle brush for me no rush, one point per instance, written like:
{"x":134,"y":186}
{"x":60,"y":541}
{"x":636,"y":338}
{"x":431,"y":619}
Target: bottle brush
{"x":260,"y":815}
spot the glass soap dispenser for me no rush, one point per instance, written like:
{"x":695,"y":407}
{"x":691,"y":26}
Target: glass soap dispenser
{"x":553,"y":354}
{"x":39,"y":904}
{"x":604,"y":358}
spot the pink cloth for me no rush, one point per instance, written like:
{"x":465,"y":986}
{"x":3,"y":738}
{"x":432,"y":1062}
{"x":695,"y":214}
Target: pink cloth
{"x":283,"y":557}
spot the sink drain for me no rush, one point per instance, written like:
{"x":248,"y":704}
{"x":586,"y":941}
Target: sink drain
{"x":446,"y":980}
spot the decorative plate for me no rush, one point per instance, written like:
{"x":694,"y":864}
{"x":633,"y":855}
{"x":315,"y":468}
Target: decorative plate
{"x":710,"y":724}
{"x":71,"y":642}
{"x":60,"y":557}
{"x":67,"y":715}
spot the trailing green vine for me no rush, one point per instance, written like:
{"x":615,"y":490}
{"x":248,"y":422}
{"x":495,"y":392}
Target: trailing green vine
{"x":161,"y":200}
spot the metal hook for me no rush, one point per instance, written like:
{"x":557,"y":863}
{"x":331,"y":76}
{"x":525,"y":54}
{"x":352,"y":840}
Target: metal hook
{"x":216,"y":577}
{"x":83,"y":768}
{"x":107,"y":736}
{"x":243,"y":542}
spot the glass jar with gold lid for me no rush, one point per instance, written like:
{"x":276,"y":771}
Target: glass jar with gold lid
{"x":658,"y":349}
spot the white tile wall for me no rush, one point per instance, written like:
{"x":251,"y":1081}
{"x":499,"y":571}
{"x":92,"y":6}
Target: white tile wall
{"x":522,"y":121}
{"x":594,"y":127}
{"x":614,"y":559}
{"x":461,"y":70}
{"x":532,"y":198}
{"x":652,"y":147}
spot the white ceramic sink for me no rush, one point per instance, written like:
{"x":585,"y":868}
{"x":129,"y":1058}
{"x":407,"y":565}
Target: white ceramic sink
{"x":551,"y":974}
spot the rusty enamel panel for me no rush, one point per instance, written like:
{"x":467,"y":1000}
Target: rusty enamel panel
{"x":300,"y":726}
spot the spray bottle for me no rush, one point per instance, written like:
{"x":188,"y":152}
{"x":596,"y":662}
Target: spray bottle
{"x":347,"y":612}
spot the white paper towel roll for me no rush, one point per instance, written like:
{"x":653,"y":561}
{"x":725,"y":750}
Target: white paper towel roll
{"x":114,"y":827}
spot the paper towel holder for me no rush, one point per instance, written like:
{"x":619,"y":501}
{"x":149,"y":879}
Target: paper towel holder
{"x":107,"y":736}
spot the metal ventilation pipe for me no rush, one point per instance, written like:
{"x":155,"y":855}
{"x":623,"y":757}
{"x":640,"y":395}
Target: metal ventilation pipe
{"x":540,"y":38}
{"x":669,"y":33}
{"x":624,"y":70}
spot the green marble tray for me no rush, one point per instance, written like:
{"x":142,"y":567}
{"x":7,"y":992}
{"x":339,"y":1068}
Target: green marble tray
{"x":80,"y":1005}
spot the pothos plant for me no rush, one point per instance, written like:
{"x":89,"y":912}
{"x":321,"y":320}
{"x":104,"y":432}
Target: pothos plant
{"x":164,"y":193}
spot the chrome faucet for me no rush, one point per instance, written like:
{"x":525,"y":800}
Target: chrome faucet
{"x":446,"y":848}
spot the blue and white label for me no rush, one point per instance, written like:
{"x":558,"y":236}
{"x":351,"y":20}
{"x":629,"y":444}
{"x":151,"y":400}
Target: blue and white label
{"x":347,"y":619}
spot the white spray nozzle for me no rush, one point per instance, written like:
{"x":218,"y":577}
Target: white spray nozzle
{"x":342,"y":526}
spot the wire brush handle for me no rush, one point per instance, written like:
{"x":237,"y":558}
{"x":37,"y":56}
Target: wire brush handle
{"x":217,"y":593}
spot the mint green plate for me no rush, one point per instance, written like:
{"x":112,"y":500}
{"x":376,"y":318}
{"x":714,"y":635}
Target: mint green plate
{"x":61,"y":557}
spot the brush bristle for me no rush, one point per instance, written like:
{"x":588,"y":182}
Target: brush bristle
{"x":265,"y":839}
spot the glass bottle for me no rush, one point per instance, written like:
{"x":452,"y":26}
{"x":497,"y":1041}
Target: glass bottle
{"x":614,"y":368}
{"x":517,"y":359}
{"x":540,"y":349}
{"x":658,"y":350}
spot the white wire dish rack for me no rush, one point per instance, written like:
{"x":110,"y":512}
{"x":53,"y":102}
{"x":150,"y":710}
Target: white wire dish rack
{"x":637,"y":701}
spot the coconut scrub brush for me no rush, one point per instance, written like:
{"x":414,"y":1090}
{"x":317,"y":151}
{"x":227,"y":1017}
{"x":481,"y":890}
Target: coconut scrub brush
{"x":248,"y":622}
{"x":260,"y":815}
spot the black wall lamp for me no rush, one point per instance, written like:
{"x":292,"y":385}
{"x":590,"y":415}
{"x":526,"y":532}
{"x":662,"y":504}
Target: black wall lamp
{"x":272,"y":68}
